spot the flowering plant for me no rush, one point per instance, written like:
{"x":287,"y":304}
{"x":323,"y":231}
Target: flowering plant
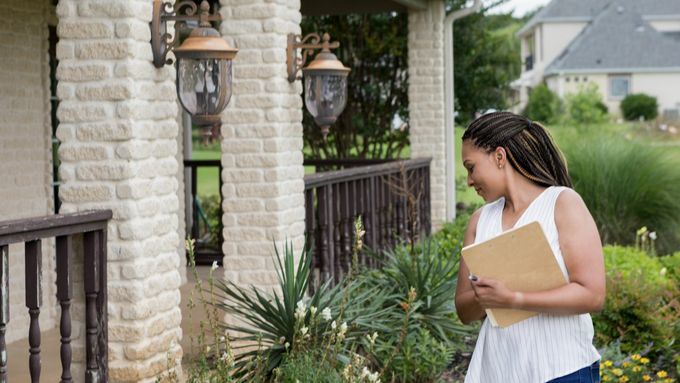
{"x":632,"y":369}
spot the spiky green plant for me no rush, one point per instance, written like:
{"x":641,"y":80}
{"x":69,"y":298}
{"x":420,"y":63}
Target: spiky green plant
{"x":274,"y":320}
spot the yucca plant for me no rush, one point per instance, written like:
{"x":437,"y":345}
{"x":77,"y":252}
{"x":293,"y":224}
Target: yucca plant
{"x":274,"y":324}
{"x":626,"y":186}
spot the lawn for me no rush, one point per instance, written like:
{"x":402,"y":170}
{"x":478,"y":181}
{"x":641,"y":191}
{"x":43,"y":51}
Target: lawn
{"x":208,"y":178}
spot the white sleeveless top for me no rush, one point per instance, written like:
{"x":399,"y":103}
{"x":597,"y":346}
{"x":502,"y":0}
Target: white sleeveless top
{"x":545,"y":346}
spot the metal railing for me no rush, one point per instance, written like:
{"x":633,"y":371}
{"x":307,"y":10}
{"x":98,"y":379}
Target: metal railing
{"x":392,"y":198}
{"x":92,"y":225}
{"x":205,"y":255}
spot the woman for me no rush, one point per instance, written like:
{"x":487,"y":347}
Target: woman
{"x":516,"y":168}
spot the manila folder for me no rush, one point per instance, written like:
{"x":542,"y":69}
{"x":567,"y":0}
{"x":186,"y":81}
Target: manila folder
{"x":522,"y":259}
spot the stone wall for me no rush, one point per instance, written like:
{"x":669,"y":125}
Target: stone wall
{"x":118,"y":128}
{"x":426,"y":99}
{"x":262,"y":142}
{"x":25,"y":146}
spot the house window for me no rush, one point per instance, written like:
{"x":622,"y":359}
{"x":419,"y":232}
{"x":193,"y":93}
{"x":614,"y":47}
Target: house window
{"x":619,"y":86}
{"x":567,"y":79}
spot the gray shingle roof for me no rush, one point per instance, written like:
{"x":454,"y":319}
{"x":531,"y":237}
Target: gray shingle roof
{"x":586,"y":10}
{"x":619,"y":39}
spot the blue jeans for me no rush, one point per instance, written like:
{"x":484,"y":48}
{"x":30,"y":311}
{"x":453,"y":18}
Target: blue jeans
{"x":590,"y":374}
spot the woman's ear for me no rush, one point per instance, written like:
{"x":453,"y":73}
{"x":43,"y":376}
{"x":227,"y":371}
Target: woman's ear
{"x":500,"y":157}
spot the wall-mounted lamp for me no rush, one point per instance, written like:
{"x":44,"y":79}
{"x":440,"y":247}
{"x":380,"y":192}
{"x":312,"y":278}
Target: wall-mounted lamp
{"x":325,"y":77}
{"x":203,"y":59}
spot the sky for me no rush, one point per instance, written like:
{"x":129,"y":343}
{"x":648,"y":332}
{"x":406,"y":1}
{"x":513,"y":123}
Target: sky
{"x":520,"y":6}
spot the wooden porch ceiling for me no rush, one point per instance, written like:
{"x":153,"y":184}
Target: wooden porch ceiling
{"x":335,"y":7}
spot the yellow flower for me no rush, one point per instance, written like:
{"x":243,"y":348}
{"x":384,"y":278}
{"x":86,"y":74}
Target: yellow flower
{"x":644,"y":360}
{"x":617,"y":371}
{"x":605,"y":378}
{"x":637,"y":369}
{"x":669,"y":380}
{"x":662,"y":374}
{"x":623,"y":379}
{"x":608,"y":363}
{"x":646,"y":378}
{"x":626,"y":364}
{"x":635,"y":357}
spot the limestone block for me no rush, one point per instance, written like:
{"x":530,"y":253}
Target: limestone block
{"x":70,"y":111}
{"x":69,"y":70}
{"x":243,"y":205}
{"x":135,"y":149}
{"x":115,"y":9}
{"x":103,"y":131}
{"x":70,"y":152}
{"x":134,"y":189}
{"x":108,"y":171}
{"x":134,"y":29}
{"x":139,"y":228}
{"x":85,"y":193}
{"x":72,"y":29}
{"x":239,"y":27}
{"x":106,"y":92}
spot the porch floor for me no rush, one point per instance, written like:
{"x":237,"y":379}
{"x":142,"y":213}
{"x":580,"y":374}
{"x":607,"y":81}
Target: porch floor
{"x":17,"y":351}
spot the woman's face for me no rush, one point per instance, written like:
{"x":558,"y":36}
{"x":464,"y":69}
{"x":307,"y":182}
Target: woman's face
{"x":483,"y":172}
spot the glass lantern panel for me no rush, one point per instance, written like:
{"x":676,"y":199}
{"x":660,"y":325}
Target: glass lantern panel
{"x":204,"y":85}
{"x":325,"y":95}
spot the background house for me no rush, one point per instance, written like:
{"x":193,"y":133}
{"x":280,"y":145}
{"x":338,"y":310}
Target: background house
{"x":623,"y":46}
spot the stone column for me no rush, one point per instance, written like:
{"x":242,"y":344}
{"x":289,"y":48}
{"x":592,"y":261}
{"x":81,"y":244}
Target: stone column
{"x":118,"y":130}
{"x":262,"y":142}
{"x":426,"y":98}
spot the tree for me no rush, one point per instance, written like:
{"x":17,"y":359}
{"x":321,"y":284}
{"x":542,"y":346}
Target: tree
{"x":486,"y":59}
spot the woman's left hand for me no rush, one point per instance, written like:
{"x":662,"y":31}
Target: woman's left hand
{"x":491,"y":293}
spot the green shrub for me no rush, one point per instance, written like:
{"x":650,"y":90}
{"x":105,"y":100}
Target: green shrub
{"x":627,"y":186}
{"x":585,"y":106}
{"x":306,"y":367}
{"x":639,"y":105}
{"x":640,"y":311}
{"x":672,"y":265}
{"x":421,"y":358}
{"x":543,"y":105}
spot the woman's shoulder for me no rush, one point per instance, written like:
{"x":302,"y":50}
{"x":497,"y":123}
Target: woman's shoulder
{"x":569,"y":207}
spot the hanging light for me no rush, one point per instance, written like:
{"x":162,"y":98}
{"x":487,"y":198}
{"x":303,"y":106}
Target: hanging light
{"x":325,"y":78}
{"x":204,"y":60}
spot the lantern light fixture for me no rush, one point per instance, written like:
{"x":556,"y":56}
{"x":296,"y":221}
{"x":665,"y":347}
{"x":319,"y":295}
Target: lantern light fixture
{"x":204,"y":59}
{"x":325,"y":78}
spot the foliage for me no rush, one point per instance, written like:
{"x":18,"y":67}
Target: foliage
{"x":375,"y":48}
{"x":626,"y":186}
{"x":434,"y":280}
{"x":287,"y":322}
{"x":641,"y":310}
{"x":486,"y":59}
{"x":307,"y":367}
{"x":586,"y":106}
{"x":421,"y":358}
{"x":543,"y":105}
{"x":633,"y":368}
{"x":672,"y":265}
{"x":427,"y":318}
{"x":639,"y":106}
{"x":211,"y":210}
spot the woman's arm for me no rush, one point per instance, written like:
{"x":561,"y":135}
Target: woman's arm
{"x":466,"y":303}
{"x":582,"y":252}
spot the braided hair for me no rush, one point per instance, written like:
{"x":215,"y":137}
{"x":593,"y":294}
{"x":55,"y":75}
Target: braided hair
{"x":529,"y":147}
